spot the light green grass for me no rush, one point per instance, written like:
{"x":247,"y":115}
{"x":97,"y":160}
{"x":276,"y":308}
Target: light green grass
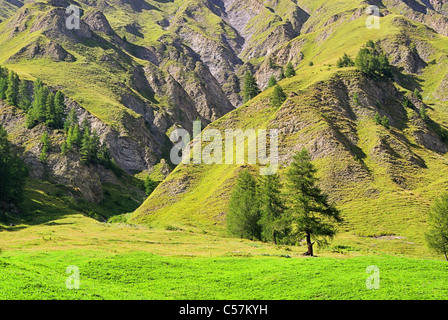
{"x":147,"y":276}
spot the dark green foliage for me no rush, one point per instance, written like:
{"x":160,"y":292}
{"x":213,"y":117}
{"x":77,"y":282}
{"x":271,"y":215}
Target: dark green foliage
{"x":378,"y":118}
{"x":243,"y":215}
{"x":271,"y":64}
{"x":59,"y":106}
{"x":311,"y":63}
{"x":272,"y":208}
{"x":251,"y":89}
{"x":46,"y":108}
{"x":289,"y":71}
{"x":385,"y":122}
{"x":74,"y":137}
{"x":12,"y":91}
{"x":311,"y":215}
{"x":272,"y":82}
{"x":46,"y":144}
{"x":278,"y":96}
{"x":373,"y":63}
{"x":150,"y":185}
{"x":407,"y":103}
{"x":437,"y":235}
{"x":423,"y":113}
{"x":50,"y":111}
{"x":345,"y":61}
{"x":89,"y":147}
{"x":417,"y":94}
{"x":24,"y":101}
{"x":3,"y":87}
{"x":71,"y":120}
{"x":91,"y":150}
{"x":12,"y":174}
{"x":356,"y":99}
{"x":282,"y":75}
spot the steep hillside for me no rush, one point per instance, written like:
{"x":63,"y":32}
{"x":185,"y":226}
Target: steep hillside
{"x":382,"y":179}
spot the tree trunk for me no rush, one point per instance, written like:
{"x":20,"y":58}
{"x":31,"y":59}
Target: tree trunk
{"x":275,"y":238}
{"x":446,"y":257}
{"x":309,"y":244}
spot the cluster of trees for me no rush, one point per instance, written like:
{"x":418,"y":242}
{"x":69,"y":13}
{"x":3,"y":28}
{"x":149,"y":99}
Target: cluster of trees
{"x":370,"y":60}
{"x":42,"y":106}
{"x":269,"y":210}
{"x":384,"y":121}
{"x":345,"y":61}
{"x":91,"y":150}
{"x":373,"y":62}
{"x":12,"y":174}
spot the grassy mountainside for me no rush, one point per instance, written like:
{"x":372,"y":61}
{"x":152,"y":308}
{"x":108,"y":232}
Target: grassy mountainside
{"x":383,"y":180}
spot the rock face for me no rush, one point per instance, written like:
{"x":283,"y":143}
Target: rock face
{"x":85,"y":181}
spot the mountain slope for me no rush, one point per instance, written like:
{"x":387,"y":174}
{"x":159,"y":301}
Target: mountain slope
{"x":383,"y":180}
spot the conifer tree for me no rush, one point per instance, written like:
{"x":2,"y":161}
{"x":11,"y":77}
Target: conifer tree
{"x":12,"y":174}
{"x":385,"y":122}
{"x":423,"y":113}
{"x":86,"y":150}
{"x":50,"y":111}
{"x":45,"y":140}
{"x":437,"y":235}
{"x":311,"y":215}
{"x":251,"y":89}
{"x":104,"y":156}
{"x":377,"y":118}
{"x":345,"y":61}
{"x":3,"y":87}
{"x":12,"y":92}
{"x":417,"y":94}
{"x":243,"y":213}
{"x":59,"y":105}
{"x":290,"y":72}
{"x":272,"y":208}
{"x":24,"y":101}
{"x":282,"y":75}
{"x":278,"y":96}
{"x":71,"y":120}
{"x":76,"y":136}
{"x":272,"y":82}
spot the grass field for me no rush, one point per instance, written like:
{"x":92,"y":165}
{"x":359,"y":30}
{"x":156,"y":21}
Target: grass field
{"x":142,"y":275}
{"x":122,"y":261}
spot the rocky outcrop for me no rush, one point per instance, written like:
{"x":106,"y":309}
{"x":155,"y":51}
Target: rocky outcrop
{"x":48,"y":50}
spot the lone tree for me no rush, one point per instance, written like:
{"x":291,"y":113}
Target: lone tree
{"x":278,"y":96}
{"x":243,"y":214}
{"x":289,"y":71}
{"x":311,"y":215}
{"x":251,"y":89}
{"x":437,"y":236}
{"x":272,"y":208}
{"x":272,"y":82}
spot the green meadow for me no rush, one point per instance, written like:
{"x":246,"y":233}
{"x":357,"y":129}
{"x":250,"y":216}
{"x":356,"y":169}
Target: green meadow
{"x":125,"y":261}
